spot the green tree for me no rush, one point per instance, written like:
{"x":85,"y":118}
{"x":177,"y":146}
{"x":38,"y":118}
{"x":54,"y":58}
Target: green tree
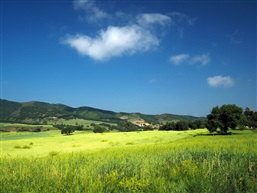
{"x":255,"y":119}
{"x":98,"y":129}
{"x":251,"y":118}
{"x":181,"y":125}
{"x":128,"y":126}
{"x":168,"y":126}
{"x":225,"y":117}
{"x":65,"y":129}
{"x":193,"y":125}
{"x":148,"y":128}
{"x":199,"y":123}
{"x":68,"y":129}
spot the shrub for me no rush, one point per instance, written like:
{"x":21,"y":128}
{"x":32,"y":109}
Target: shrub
{"x":98,"y":129}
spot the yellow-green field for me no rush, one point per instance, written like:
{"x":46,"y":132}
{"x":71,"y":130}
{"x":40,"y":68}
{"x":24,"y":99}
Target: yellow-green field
{"x":42,"y":143}
{"x":152,"y":162}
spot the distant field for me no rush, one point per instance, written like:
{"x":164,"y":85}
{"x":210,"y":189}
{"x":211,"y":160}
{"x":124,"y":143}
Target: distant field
{"x":44,"y":142}
{"x":12,"y":127}
{"x":149,"y":161}
{"x":22,"y":125}
{"x":84,"y":122}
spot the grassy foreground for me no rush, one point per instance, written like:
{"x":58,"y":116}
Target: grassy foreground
{"x":202,"y":163}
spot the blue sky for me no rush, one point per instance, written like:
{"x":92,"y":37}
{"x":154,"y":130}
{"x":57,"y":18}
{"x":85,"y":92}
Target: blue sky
{"x":153,"y":57}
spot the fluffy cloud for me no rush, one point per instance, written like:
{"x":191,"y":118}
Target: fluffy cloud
{"x":186,"y":58}
{"x":142,"y":33}
{"x":114,"y":41}
{"x":179,"y":59}
{"x":220,"y":81}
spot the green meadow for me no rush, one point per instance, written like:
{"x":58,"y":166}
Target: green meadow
{"x":38,"y":144}
{"x":149,"y":161}
{"x":22,"y":125}
{"x":77,"y":121}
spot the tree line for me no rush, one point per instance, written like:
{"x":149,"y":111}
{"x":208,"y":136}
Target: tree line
{"x":183,"y":125}
{"x":68,"y":129}
{"x":220,"y":120}
{"x":229,"y":116}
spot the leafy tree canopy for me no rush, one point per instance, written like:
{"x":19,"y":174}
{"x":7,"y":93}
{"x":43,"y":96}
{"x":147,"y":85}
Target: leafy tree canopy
{"x":224,"y":117}
{"x":251,"y":118}
{"x":128,"y":126}
{"x":99,"y":129}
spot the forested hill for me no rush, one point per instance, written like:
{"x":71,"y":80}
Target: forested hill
{"x":39,"y":112}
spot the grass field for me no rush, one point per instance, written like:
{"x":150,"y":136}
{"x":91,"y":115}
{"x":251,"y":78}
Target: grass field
{"x":86,"y":123}
{"x":22,"y":125}
{"x":151,"y":161}
{"x":41,"y":143}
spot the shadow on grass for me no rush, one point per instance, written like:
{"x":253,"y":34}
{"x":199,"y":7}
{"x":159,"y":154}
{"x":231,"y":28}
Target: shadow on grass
{"x":219,"y":134}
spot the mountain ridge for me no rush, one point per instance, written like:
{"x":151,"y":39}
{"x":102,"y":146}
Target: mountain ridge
{"x":38,"y":112}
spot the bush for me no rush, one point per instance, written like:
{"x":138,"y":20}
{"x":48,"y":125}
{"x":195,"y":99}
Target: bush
{"x":168,"y":126}
{"x":148,"y":128}
{"x":181,"y":125}
{"x":128,"y":126}
{"x":99,"y":129}
{"x":68,"y":130}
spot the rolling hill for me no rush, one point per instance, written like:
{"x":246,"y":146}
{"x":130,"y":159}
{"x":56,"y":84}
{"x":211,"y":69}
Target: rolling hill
{"x":36,"y":112}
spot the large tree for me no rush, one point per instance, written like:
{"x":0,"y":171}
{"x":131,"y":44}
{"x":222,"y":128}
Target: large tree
{"x":251,"y":118}
{"x":224,"y":117}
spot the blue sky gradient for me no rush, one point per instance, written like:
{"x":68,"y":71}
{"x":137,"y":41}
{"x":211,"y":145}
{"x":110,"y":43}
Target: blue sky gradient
{"x":153,"y":57}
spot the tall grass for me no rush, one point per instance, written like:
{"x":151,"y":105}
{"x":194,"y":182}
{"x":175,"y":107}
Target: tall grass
{"x":198,"y":164}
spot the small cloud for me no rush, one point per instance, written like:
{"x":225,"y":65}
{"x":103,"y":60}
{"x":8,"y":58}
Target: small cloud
{"x":186,"y":58}
{"x":178,"y":59}
{"x":93,"y":12}
{"x":200,"y":59}
{"x":220,"y":81}
{"x":154,"y":18}
{"x":114,"y":41}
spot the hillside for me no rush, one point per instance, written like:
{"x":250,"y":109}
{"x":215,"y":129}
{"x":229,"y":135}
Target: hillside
{"x":40,"y":112}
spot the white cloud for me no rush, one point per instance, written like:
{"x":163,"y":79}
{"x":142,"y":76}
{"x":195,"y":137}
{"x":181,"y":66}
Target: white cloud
{"x":141,"y":34}
{"x":200,"y":59}
{"x":94,"y":13}
{"x":220,"y":81}
{"x":178,"y":59}
{"x":154,"y":18}
{"x":114,"y":41}
{"x":186,"y":58}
